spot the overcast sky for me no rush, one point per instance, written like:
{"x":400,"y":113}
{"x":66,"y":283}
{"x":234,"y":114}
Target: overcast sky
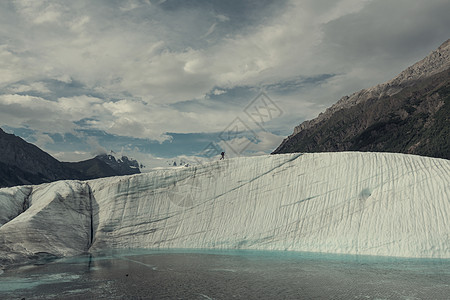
{"x":165,"y":80}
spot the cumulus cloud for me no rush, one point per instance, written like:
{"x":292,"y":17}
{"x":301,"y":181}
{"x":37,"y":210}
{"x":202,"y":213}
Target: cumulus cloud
{"x":45,"y":115}
{"x":42,"y":140}
{"x":71,"y":156}
{"x":25,"y":88}
{"x":39,"y":12}
{"x":218,"y":92}
{"x":144,"y":68}
{"x":256,"y":143}
{"x":96,"y":148}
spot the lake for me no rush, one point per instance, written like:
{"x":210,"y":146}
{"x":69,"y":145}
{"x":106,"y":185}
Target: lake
{"x":240,"y":274}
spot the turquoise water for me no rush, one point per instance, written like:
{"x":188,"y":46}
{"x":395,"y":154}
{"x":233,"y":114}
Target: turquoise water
{"x":240,"y":274}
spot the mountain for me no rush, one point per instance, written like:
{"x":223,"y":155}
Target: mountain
{"x":350,"y":202}
{"x":121,"y":164}
{"x":105,"y":165}
{"x":408,"y":114}
{"x":22,"y":163}
{"x":91,"y":168}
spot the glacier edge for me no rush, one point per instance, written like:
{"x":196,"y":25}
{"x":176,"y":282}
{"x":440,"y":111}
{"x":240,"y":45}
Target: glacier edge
{"x":351,"y":202}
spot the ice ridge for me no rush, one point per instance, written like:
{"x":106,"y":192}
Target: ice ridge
{"x":351,"y":202}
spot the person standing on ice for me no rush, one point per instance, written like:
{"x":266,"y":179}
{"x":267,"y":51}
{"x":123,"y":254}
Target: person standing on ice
{"x":223,"y":155}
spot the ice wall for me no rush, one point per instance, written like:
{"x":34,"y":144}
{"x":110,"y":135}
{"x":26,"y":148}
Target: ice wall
{"x":358,"y":203}
{"x":45,"y":220}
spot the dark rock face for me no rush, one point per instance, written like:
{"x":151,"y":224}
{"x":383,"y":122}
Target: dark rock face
{"x":105,"y":166}
{"x":122,"y":165}
{"x":23,"y":163}
{"x":91,"y":168}
{"x":409,"y":114}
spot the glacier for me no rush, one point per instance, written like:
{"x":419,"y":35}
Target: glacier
{"x":351,"y":202}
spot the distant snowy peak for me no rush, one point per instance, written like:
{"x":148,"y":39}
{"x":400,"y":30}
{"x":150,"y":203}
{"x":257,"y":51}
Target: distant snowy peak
{"x":112,"y":155}
{"x":120,"y":163}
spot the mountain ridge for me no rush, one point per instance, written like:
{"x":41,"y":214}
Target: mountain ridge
{"x":434,"y":66}
{"x":22,"y":163}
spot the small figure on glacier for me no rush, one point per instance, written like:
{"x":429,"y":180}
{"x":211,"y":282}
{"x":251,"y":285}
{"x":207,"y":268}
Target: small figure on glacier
{"x":223,"y":155}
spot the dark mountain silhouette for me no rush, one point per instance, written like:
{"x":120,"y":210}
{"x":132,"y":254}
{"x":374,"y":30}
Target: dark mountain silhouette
{"x":121,"y":164}
{"x":91,"y":168}
{"x":409,"y":114}
{"x":105,"y":165}
{"x":23,"y":163}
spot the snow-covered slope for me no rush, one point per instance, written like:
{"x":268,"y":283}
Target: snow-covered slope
{"x":359,"y":203}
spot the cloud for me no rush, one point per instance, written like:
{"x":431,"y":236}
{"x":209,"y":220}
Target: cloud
{"x":39,"y":12}
{"x":266,"y":140}
{"x":218,"y":92}
{"x":71,"y":156}
{"x":96,"y":148}
{"x":45,"y":115}
{"x":210,"y":30}
{"x":42,"y":140}
{"x":250,"y":144}
{"x":141,"y":69}
{"x":25,"y":88}
{"x":222,"y":18}
{"x":147,"y":58}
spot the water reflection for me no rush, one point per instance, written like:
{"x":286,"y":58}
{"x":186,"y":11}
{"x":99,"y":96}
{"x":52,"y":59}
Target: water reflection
{"x":143,"y":274}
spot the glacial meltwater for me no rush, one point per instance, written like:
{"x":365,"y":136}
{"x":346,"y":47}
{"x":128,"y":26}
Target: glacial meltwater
{"x":187,"y":274}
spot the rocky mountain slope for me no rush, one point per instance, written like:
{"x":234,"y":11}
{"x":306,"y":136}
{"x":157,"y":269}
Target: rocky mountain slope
{"x":105,"y":165}
{"x":351,"y":202}
{"x":408,"y":114}
{"x":22,"y":163}
{"x":120,"y":163}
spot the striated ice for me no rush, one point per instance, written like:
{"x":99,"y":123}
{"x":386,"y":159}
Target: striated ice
{"x":351,"y":202}
{"x":57,"y":222}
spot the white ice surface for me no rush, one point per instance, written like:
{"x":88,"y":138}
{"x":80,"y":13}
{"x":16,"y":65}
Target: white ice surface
{"x":13,"y":202}
{"x":357,"y":203}
{"x":57,"y":222}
